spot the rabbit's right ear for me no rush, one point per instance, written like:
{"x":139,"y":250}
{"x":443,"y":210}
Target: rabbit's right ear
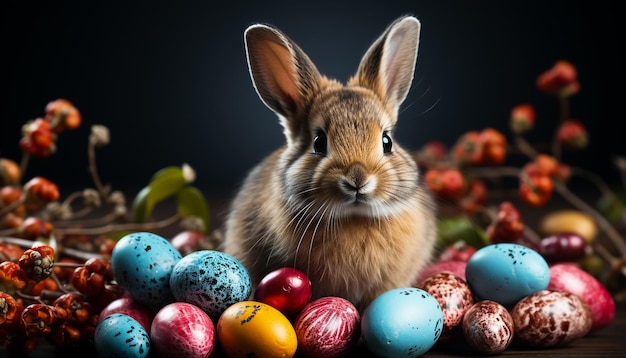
{"x":283,"y":75}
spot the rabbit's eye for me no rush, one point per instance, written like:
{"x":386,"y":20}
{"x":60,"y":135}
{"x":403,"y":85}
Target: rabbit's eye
{"x":320,"y":143}
{"x":387,"y":143}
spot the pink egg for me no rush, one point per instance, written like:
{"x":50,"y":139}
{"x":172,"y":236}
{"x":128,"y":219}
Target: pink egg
{"x":456,"y":267}
{"x":126,"y":305}
{"x":571,"y":278}
{"x":286,"y":289}
{"x":181,"y":329}
{"x":327,"y":327}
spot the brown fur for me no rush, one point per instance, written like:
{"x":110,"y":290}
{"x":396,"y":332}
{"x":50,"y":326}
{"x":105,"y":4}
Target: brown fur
{"x":300,"y":209}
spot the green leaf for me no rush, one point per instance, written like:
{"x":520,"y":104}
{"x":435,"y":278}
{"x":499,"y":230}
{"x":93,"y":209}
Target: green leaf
{"x":459,"y":228}
{"x":612,"y":207}
{"x":142,"y":208}
{"x":165,"y":183}
{"x":191,"y":203}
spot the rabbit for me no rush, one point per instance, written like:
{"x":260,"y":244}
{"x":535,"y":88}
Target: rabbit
{"x":340,"y":200}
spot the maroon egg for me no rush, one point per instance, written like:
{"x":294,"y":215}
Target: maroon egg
{"x":456,"y":267}
{"x":126,"y":305}
{"x":286,"y":289}
{"x":488,"y":327}
{"x":551,"y":318}
{"x":571,"y":278}
{"x":454,"y":297}
{"x":327,"y":327}
{"x":181,"y":329}
{"x":188,"y":241}
{"x":562,"y":247}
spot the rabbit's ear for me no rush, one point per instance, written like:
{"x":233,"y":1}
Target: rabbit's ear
{"x":283,"y":75}
{"x":387,"y":67}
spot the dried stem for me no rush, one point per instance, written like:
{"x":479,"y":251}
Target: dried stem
{"x":121,"y":227}
{"x":91,"y":151}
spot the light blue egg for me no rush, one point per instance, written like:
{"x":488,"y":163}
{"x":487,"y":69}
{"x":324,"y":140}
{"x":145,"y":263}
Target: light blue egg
{"x":211,"y":280}
{"x":403,"y":322}
{"x":119,"y":335}
{"x":142,"y":263}
{"x":506,"y":273}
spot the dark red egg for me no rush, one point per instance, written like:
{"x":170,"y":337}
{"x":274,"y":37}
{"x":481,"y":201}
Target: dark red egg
{"x":286,"y":289}
{"x":327,"y":327}
{"x":126,"y":305}
{"x":181,"y":329}
{"x":562,"y":247}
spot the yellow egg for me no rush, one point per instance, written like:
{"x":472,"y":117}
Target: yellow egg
{"x":255,"y":329}
{"x":561,"y":221}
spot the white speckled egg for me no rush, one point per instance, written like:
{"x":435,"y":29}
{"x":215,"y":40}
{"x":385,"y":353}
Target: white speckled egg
{"x":142,"y":263}
{"x":488,"y":327}
{"x":402,"y":322}
{"x":506,"y":273}
{"x":211,"y":280}
{"x":119,"y":335}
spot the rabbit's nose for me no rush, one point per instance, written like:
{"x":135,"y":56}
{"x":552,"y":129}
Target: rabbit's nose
{"x":357,"y":181}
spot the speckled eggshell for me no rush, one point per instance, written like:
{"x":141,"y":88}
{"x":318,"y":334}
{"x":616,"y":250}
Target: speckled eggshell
{"x":454,"y":297}
{"x":488,"y":327}
{"x":182,"y":330}
{"x":327,"y":327}
{"x":211,"y":280}
{"x":142,"y":263}
{"x":506,"y":273}
{"x":119,"y":335}
{"x":402,"y":322}
{"x":551,"y":318}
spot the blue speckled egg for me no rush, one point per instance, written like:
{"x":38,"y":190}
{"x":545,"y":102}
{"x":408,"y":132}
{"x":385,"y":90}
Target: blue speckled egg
{"x":403,"y":322}
{"x":119,"y":335}
{"x":506,"y":273}
{"x":211,"y":280}
{"x":142,"y":263}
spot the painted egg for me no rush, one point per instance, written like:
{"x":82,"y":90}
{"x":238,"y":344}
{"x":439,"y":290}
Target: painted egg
{"x":327,"y":327}
{"x":126,"y":305}
{"x":454,"y":297}
{"x":456,"y":267}
{"x":506,"y":273}
{"x":211,"y":280}
{"x":488,"y":327}
{"x":119,"y":335}
{"x":181,"y":329}
{"x":255,"y":329}
{"x":286,"y":289}
{"x":571,"y":278}
{"x":551,"y":318}
{"x":142,"y":263}
{"x":402,"y":322}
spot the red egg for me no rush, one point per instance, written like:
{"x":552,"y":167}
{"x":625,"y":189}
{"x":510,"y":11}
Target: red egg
{"x":562,"y":247}
{"x":571,"y":278}
{"x":456,"y":267}
{"x":286,"y":289}
{"x":181,"y":329}
{"x":126,"y":305}
{"x":327,"y":327}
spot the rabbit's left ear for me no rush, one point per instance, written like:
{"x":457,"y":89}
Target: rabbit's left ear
{"x":388,"y":65}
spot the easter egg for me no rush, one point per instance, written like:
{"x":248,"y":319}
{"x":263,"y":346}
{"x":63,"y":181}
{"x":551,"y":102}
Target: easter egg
{"x":256,"y":329}
{"x":571,"y":278}
{"x":211,"y":280}
{"x":402,"y":322}
{"x":567,"y":220}
{"x":181,"y":329}
{"x":327,"y":327}
{"x":142,"y":263}
{"x":286,"y":289}
{"x":454,"y":297}
{"x":456,"y":267}
{"x":551,"y":318}
{"x":506,"y":272}
{"x":119,"y":335}
{"x":488,"y":327}
{"x":126,"y":305}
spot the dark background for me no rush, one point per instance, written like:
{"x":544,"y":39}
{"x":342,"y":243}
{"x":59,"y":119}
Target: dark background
{"x":170,"y":80}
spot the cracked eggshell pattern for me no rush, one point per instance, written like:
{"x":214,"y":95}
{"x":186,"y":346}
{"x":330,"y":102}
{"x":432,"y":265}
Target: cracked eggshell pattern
{"x":211,"y":280}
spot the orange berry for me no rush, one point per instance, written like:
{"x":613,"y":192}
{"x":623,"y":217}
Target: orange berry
{"x":62,"y":115}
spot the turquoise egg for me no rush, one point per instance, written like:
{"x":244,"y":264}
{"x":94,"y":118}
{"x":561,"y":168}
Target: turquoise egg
{"x":506,"y":273}
{"x":211,"y":280}
{"x":403,"y":322}
{"x":119,"y":335}
{"x":142,"y":263}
